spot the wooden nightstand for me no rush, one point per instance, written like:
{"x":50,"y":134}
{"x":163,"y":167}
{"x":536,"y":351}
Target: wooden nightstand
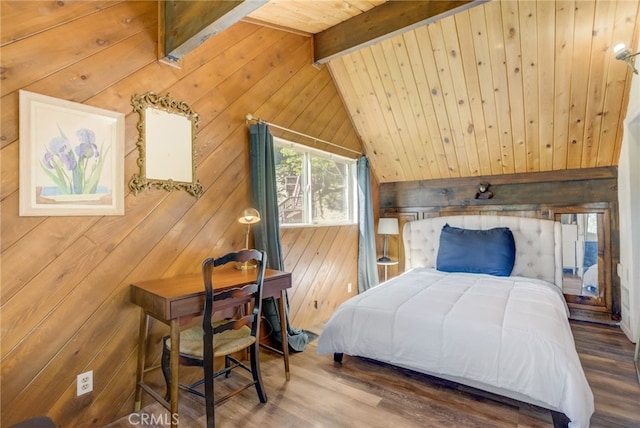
{"x":386,"y":265}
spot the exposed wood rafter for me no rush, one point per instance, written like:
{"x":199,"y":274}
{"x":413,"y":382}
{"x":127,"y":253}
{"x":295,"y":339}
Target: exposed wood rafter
{"x":381,"y":23}
{"x":187,"y":24}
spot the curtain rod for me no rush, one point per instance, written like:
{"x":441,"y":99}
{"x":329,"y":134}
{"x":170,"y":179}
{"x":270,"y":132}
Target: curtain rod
{"x":250,"y":117}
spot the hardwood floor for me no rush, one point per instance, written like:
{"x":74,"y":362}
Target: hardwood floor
{"x":361,"y":393}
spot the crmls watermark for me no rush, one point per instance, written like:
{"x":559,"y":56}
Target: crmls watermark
{"x":147,"y":419}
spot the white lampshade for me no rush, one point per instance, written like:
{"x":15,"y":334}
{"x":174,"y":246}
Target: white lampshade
{"x":388,"y":226}
{"x":619,"y":48}
{"x":249,"y":216}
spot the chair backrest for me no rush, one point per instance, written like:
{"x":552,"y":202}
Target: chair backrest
{"x":240,"y":296}
{"x":251,"y":292}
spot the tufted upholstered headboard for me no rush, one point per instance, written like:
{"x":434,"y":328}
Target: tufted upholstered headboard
{"x":538,"y":243}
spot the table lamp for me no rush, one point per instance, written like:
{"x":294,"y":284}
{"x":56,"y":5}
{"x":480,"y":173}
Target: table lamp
{"x":386,"y":227}
{"x":248,"y":216}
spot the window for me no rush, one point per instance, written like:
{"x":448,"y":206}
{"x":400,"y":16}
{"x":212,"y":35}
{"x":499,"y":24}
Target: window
{"x":314,"y":187}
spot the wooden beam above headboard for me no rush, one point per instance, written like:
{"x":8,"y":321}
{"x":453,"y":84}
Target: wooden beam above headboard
{"x":553,"y":188}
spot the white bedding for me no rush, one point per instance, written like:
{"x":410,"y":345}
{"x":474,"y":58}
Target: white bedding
{"x":502,"y":334}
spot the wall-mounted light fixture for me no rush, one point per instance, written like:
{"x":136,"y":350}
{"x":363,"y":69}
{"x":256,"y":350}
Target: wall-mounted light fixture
{"x":483,"y":191}
{"x":624,"y":53}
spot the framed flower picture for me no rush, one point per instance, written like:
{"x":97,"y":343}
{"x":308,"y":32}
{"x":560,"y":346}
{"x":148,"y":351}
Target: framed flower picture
{"x":71,"y":158}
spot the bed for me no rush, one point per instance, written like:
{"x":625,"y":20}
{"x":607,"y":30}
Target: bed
{"x":505,"y":333}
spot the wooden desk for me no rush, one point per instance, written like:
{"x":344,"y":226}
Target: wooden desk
{"x":169,"y":299}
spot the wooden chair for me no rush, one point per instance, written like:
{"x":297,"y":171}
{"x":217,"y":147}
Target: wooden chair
{"x":199,"y":345}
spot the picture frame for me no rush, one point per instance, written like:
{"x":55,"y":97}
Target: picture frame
{"x":166,"y":144}
{"x":71,"y":158}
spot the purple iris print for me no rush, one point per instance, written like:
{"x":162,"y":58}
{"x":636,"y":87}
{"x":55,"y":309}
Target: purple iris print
{"x":48,"y":160}
{"x":68,"y":161}
{"x":74,"y":170}
{"x":87,"y":148}
{"x":59,"y":148}
{"x":59,"y":145}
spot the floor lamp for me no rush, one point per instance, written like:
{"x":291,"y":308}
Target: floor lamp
{"x":386,"y":227}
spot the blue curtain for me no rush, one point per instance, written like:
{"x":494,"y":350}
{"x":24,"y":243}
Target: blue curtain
{"x":367,"y":268}
{"x":267,"y":232}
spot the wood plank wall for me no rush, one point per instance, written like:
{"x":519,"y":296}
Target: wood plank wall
{"x":65,"y":280}
{"x":538,"y":195}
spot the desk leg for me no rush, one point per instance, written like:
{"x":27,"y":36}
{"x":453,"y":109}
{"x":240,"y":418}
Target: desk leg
{"x":284,"y":331}
{"x":174,"y":368}
{"x":142,"y":353}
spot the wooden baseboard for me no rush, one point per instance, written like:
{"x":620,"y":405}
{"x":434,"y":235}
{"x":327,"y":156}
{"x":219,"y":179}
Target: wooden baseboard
{"x":592,"y":316}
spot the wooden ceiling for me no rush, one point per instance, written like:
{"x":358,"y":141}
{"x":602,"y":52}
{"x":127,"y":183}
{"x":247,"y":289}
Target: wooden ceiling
{"x":310,"y":17}
{"x":497,"y":87}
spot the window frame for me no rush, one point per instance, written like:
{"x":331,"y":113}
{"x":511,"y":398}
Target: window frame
{"x":351,"y":184}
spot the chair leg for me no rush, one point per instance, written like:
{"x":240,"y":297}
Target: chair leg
{"x":226,"y":366}
{"x":255,"y":372}
{"x":208,"y":398}
{"x":165,"y":363}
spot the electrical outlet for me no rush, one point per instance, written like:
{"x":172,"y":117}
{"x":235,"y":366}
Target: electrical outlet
{"x":349,"y":288}
{"x":85,"y":382}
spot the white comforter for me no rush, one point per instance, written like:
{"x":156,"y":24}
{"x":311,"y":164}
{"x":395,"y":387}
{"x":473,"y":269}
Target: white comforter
{"x":508,"y":333}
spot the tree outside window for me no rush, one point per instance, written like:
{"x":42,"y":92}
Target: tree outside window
{"x":314,"y":187}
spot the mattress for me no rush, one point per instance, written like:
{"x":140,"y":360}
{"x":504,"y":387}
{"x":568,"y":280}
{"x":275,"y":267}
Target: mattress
{"x":507,"y":335}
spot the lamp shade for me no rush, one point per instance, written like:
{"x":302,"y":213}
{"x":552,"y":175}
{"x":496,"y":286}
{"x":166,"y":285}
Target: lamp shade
{"x":249,"y":216}
{"x":619,"y":48}
{"x":388,"y":226}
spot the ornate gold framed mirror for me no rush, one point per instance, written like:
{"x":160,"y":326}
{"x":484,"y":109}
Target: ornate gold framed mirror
{"x":166,"y":144}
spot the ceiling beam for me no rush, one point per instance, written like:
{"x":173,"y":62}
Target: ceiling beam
{"x":185,"y":25}
{"x":382,"y":22}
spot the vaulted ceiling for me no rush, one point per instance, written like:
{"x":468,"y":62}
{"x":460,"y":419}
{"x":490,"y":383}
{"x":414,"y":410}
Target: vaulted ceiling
{"x":440,"y":89}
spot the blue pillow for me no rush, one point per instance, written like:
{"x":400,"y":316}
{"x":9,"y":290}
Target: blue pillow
{"x":491,"y":251}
